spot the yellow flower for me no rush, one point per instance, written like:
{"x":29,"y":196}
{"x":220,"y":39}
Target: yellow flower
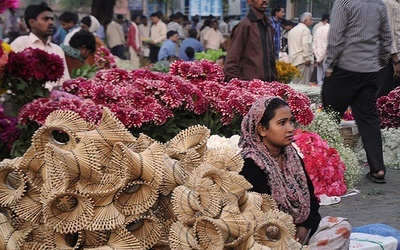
{"x":286,"y":71}
{"x":6,"y":47}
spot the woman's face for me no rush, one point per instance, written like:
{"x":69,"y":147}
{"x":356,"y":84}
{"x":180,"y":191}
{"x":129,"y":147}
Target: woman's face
{"x":280,"y":131}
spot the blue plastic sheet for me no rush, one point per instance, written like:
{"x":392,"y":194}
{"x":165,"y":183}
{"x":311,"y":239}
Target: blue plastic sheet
{"x":379,"y":229}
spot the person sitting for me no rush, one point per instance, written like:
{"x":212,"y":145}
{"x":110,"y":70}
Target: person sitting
{"x":168,"y":48}
{"x":273,"y":166}
{"x":91,"y":24}
{"x":192,"y":42}
{"x":81,"y":46}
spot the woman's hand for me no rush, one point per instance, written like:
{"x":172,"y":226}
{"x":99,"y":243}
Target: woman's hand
{"x":301,"y":234}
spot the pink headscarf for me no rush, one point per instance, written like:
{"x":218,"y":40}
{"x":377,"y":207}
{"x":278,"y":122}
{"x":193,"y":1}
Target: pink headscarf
{"x":288,"y":186}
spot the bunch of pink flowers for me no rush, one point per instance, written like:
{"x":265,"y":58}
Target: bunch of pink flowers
{"x":389,"y":109}
{"x":322,"y":163}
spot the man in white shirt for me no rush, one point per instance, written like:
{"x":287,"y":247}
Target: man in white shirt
{"x":213,"y":38}
{"x":116,"y":37}
{"x":320,"y":42}
{"x":40,"y":21}
{"x":300,"y":51}
{"x":158,"y":34}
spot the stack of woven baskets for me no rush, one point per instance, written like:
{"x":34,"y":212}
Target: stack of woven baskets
{"x":98,"y":187}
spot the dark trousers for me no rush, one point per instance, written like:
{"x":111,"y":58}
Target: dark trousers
{"x":388,"y":82}
{"x":358,"y":90}
{"x":154,"y":53}
{"x":119,"y":51}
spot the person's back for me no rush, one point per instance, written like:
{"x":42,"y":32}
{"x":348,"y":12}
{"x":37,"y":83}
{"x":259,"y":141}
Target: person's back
{"x":192,"y":42}
{"x":359,"y":44}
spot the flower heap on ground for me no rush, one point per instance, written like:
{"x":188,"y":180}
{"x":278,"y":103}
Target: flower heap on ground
{"x":192,"y":93}
{"x":86,"y":186}
{"x":389,"y":109}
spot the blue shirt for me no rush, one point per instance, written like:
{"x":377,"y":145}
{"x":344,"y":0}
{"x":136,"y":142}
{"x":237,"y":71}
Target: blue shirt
{"x":168,"y":48}
{"x":277,"y":34}
{"x":189,"y":42}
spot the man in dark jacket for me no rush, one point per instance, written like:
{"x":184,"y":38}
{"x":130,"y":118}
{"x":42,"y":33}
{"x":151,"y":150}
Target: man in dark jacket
{"x":251,"y":54}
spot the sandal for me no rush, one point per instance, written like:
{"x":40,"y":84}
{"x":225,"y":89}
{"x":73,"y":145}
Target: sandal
{"x":375,"y":179}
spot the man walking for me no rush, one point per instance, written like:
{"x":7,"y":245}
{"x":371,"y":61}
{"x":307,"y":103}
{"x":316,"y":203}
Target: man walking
{"x":357,"y":49}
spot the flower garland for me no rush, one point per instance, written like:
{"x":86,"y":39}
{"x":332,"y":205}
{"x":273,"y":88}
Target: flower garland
{"x":322,"y":164}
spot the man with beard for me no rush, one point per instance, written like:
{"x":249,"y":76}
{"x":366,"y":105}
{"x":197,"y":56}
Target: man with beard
{"x":251,"y":54}
{"x":40,"y":22}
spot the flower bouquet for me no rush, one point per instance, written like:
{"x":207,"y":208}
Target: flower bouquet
{"x":26,"y":74}
{"x":286,"y":71}
{"x":389,"y":109}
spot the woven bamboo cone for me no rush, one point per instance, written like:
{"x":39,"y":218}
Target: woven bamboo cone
{"x":146,"y":228}
{"x":193,"y":137}
{"x":29,"y":207}
{"x":113,"y":175}
{"x":68,"y":241}
{"x":182,"y":237}
{"x":136,"y":197}
{"x":32,"y":165}
{"x":106,"y":216}
{"x":67,"y":119}
{"x":68,"y":212}
{"x":147,"y":165}
{"x":9,"y":237}
{"x":82,"y":161}
{"x":275,"y":230}
{"x":224,"y":158}
{"x":251,"y":244}
{"x":210,"y":198}
{"x":209,"y":235}
{"x":109,"y":132}
{"x":173,"y":175}
{"x":163,"y":210}
{"x":122,"y":239}
{"x":37,"y":237}
{"x":142,"y":143}
{"x":190,"y":161}
{"x":94,"y":239}
{"x":186,"y":204}
{"x":12,"y":182}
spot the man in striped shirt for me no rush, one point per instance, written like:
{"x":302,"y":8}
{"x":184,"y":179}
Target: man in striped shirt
{"x":357,"y":49}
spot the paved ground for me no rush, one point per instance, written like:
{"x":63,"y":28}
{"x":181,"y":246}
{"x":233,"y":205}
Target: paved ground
{"x":375,"y":203}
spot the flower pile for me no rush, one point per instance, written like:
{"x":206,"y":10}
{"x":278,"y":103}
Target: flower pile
{"x":8,"y":4}
{"x":389,"y":109}
{"x":322,"y":163}
{"x":286,"y":71}
{"x":325,"y":125}
{"x":161,"y":104}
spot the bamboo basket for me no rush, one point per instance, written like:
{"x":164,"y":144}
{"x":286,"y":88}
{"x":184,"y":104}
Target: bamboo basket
{"x":349,"y":134}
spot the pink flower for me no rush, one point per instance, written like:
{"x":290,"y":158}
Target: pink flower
{"x":322,"y":163}
{"x":389,"y":109}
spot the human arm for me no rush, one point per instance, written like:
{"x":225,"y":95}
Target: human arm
{"x":385,"y":38}
{"x":306,"y":43}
